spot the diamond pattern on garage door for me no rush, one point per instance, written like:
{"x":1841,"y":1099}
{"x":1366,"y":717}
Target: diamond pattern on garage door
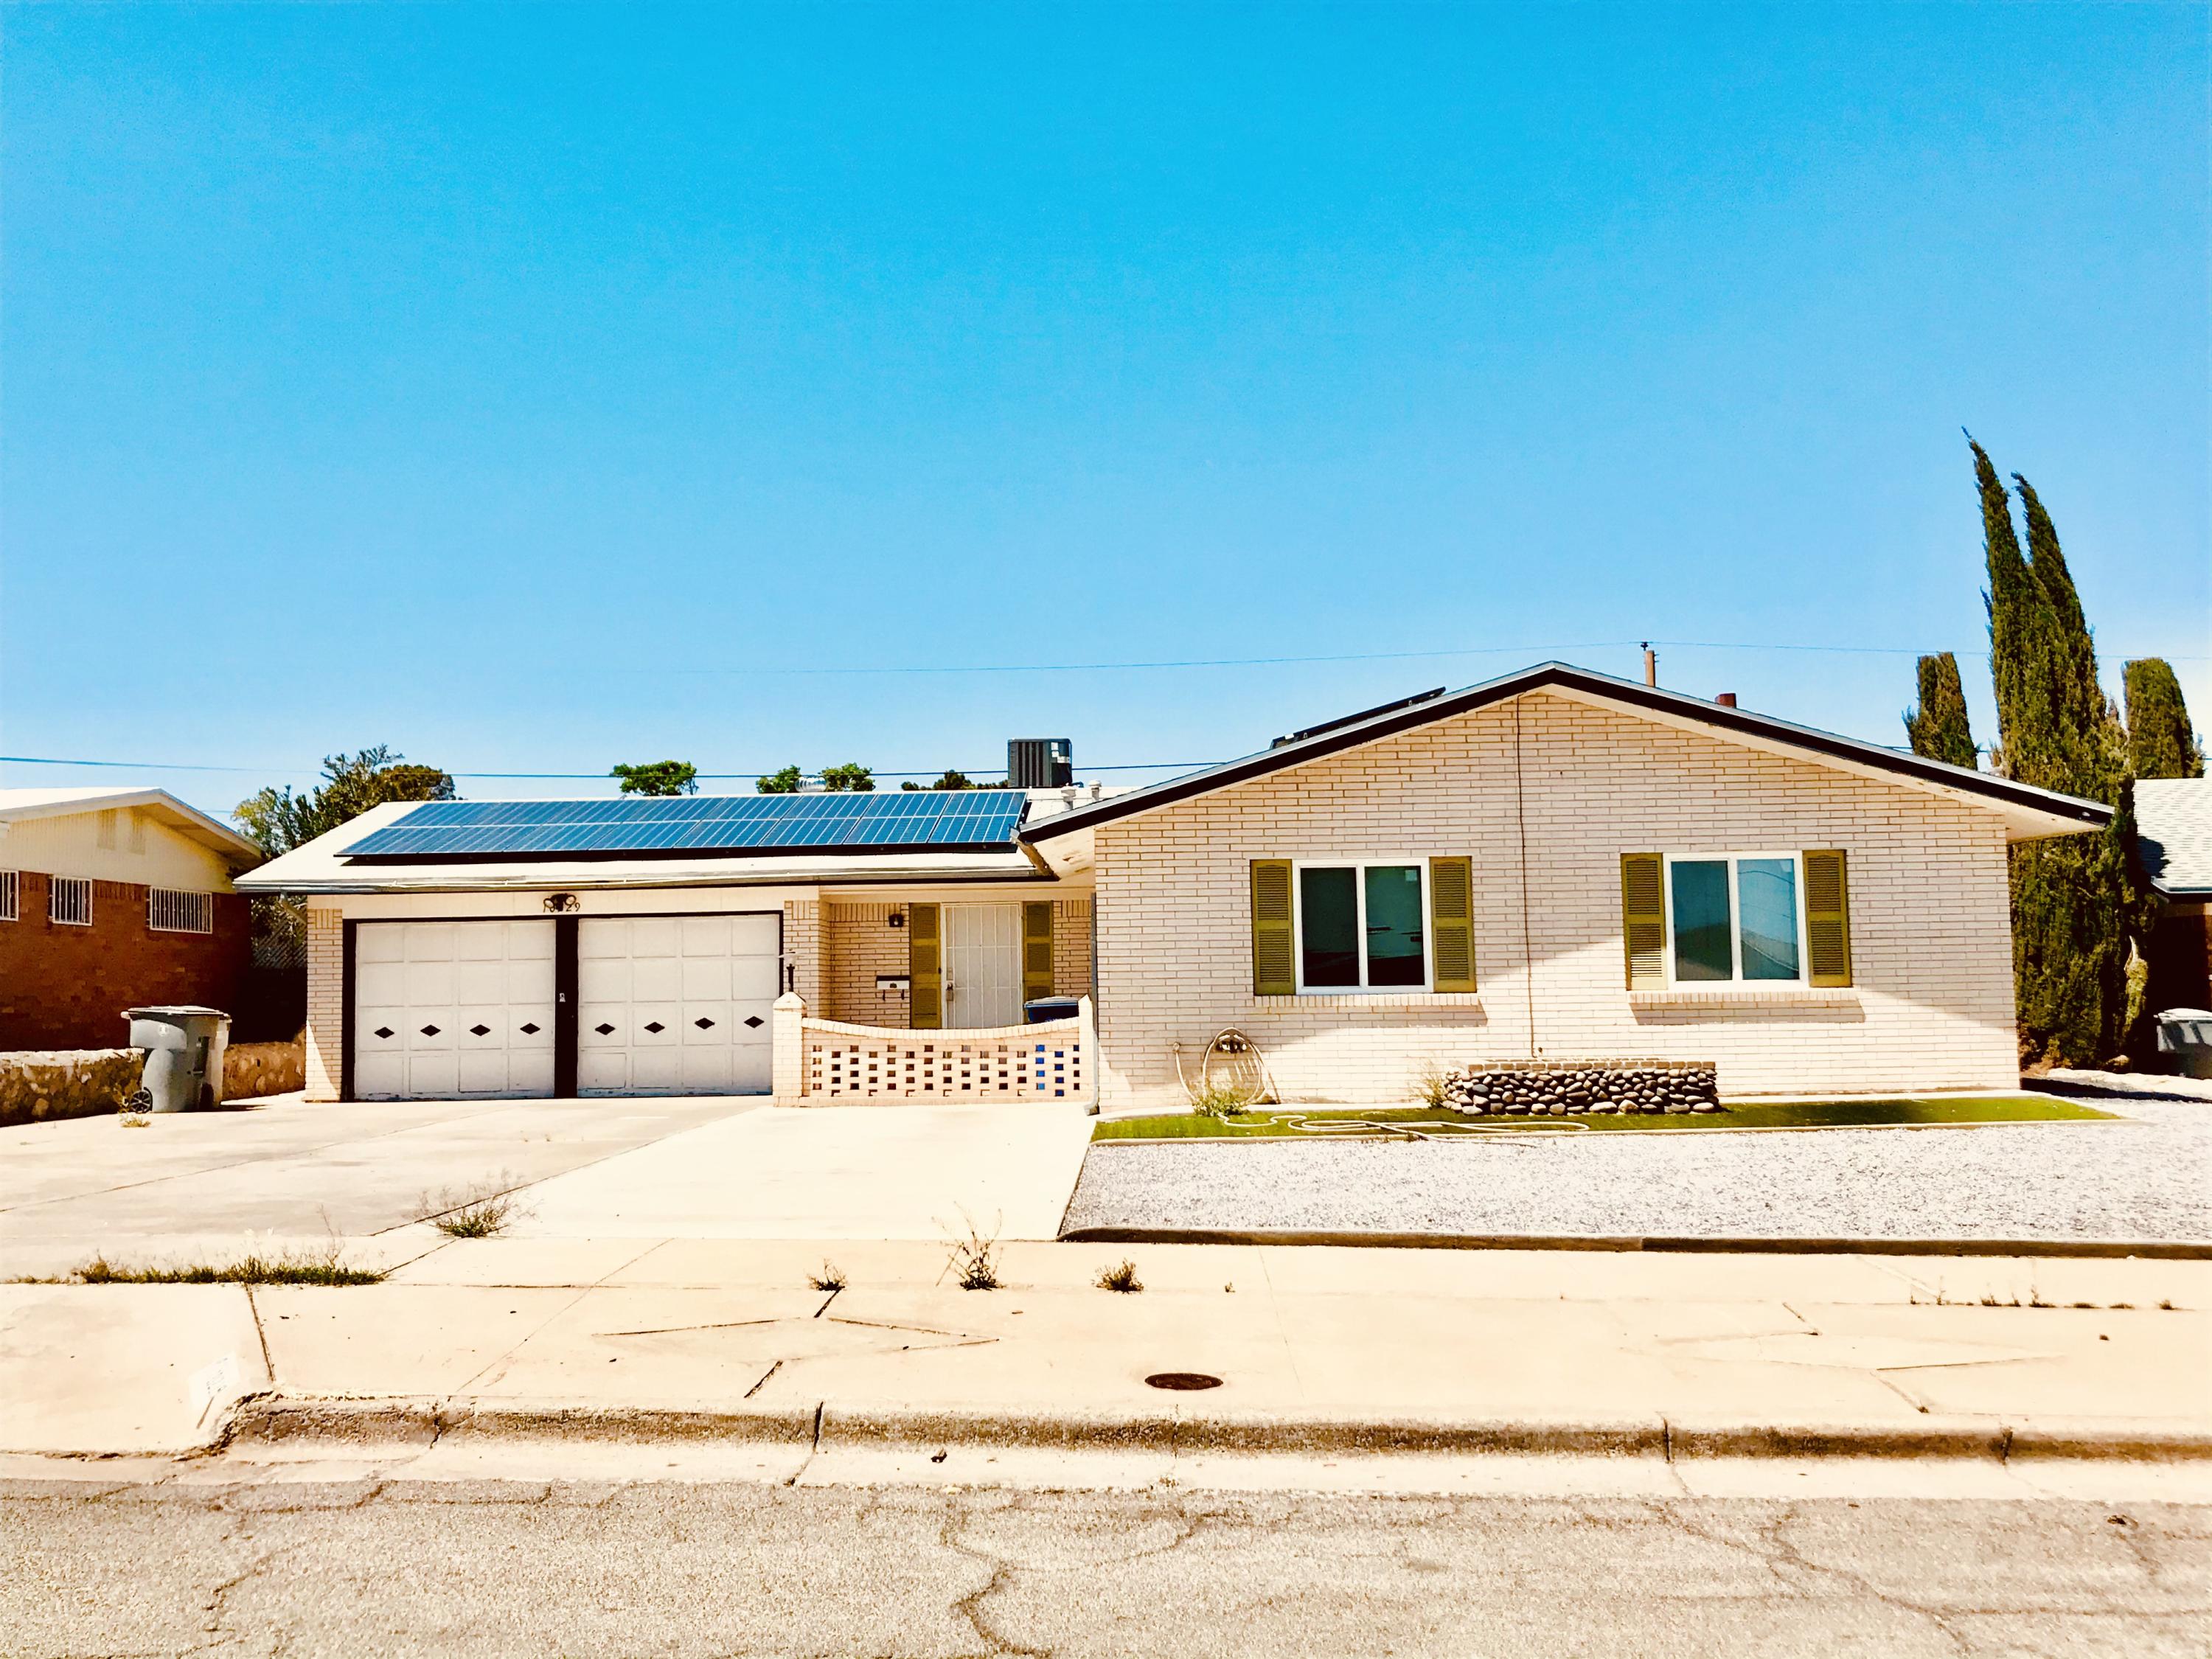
{"x":453,"y":1009}
{"x":676,"y":1005}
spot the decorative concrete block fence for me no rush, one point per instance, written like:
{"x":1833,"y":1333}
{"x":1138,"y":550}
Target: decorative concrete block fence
{"x":818,"y":1061}
{"x":1558,"y":1087}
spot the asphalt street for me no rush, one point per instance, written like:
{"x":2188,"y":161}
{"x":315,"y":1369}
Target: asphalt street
{"x":573,"y":1569}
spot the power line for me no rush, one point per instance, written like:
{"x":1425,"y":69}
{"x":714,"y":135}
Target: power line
{"x":599,"y":777}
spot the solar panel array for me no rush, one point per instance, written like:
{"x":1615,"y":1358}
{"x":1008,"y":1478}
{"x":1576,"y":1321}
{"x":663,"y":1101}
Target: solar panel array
{"x":703,"y":824}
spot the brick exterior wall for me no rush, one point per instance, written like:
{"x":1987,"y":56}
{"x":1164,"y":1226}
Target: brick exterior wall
{"x":64,"y":987}
{"x":858,"y":942}
{"x":1931,"y":1005}
{"x":327,"y":1032}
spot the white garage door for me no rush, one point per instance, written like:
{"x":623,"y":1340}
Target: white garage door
{"x":676,"y":1005}
{"x":453,"y":1009}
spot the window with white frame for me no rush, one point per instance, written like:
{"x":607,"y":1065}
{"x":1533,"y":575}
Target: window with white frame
{"x":1738,"y":920}
{"x":1362,"y":927}
{"x":170,"y":911}
{"x":68,"y":901}
{"x":11,"y":893}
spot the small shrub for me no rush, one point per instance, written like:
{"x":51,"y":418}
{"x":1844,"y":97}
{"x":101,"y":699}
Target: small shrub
{"x":1122,"y":1279}
{"x":1432,"y":1087}
{"x":974,"y":1262}
{"x":480,"y":1210}
{"x":831,"y":1278}
{"x":1218,"y":1103}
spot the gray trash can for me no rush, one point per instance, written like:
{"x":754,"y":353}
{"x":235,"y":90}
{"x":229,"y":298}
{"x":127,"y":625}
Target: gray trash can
{"x":184,"y":1056}
{"x":2184,"y":1036}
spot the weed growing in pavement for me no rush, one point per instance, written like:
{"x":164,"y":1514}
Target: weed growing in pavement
{"x":480,"y":1211}
{"x":974,"y":1259}
{"x":319,"y":1266}
{"x":1122,"y":1279}
{"x":831,"y":1278}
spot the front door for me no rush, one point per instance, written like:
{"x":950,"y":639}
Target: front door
{"x":982,"y":965}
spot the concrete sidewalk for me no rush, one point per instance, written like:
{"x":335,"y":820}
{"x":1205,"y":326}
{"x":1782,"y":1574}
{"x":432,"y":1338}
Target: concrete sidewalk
{"x":1671,"y":1356}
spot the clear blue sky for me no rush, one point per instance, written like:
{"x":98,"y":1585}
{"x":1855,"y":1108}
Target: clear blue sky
{"x":533,"y":388}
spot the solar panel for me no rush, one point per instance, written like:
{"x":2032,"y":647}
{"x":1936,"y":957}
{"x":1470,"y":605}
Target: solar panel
{"x":729,"y":824}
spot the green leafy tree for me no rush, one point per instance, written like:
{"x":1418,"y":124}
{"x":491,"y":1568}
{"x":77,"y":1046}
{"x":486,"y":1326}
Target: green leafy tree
{"x":2073,"y":903}
{"x":659,"y":778}
{"x":851,"y":778}
{"x":785,"y":782}
{"x":1939,"y":728}
{"x":2161,"y":743}
{"x":278,"y":820}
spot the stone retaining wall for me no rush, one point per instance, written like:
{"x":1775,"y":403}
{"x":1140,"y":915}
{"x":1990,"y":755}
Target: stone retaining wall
{"x":38,"y":1084}
{"x":1558,"y":1087}
{"x":251,"y":1070}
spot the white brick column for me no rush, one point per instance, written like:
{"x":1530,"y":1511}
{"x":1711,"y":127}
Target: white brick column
{"x":788,"y":1054}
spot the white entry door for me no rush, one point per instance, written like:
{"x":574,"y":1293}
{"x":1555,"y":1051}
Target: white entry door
{"x":676,"y":1005}
{"x":982,"y":965}
{"x":453,"y":1009}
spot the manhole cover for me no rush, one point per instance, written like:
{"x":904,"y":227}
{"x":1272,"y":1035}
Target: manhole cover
{"x":1183,"y":1381}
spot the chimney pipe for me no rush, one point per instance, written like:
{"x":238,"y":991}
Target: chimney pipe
{"x":1650,"y":664}
{"x":1727,"y":700}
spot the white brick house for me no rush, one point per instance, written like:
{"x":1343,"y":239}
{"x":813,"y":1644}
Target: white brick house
{"x":1555,"y":866}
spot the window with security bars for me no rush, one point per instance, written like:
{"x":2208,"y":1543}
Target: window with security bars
{"x":11,"y":888}
{"x":68,"y":901}
{"x":168,"y":911}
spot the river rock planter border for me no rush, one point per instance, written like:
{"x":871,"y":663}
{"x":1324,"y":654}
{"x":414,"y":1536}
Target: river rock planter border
{"x":1555,"y":1088}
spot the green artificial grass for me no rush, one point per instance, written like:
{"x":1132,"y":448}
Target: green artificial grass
{"x":1401,"y":1122}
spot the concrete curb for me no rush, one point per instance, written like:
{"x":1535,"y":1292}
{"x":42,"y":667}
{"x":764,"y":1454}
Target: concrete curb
{"x":271,"y":1420}
{"x":2159,"y":1249}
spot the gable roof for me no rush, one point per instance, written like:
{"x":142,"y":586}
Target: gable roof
{"x":2173,"y":831}
{"x":2033,"y":812}
{"x":21,"y":805}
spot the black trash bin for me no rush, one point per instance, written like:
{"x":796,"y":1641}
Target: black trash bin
{"x":1038,"y":1010}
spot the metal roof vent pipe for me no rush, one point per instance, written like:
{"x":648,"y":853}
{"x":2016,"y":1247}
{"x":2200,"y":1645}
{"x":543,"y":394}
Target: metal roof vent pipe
{"x":1727,"y":700}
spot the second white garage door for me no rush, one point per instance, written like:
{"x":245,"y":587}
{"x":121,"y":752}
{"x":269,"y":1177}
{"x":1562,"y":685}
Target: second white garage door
{"x":676,"y":1005}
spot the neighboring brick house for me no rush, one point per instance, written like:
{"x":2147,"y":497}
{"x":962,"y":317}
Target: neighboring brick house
{"x":1556,"y":865}
{"x":111,"y":899}
{"x":2174,"y":834}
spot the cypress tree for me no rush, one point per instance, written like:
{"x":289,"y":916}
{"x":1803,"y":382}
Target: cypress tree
{"x":2010,"y":599}
{"x":1938,"y":728}
{"x":2160,"y":741}
{"x":2071,"y":900}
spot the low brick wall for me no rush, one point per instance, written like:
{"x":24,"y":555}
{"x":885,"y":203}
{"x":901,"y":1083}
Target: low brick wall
{"x":1557,"y":1087}
{"x":251,"y":1070}
{"x":36,"y":1084}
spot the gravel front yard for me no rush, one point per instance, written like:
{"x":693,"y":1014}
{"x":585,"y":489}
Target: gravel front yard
{"x":2146,"y":1176}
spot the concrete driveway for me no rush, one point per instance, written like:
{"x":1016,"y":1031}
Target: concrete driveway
{"x":849,"y":1172}
{"x":187,"y":1185}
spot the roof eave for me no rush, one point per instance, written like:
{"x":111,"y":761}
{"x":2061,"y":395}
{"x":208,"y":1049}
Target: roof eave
{"x":2033,"y":812}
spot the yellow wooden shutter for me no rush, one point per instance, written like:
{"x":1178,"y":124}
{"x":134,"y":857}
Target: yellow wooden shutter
{"x":1643,"y":919}
{"x":1451,"y":923}
{"x":1827,"y":919}
{"x":1274,"y":966}
{"x":1037,"y":951}
{"x":924,"y":968}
